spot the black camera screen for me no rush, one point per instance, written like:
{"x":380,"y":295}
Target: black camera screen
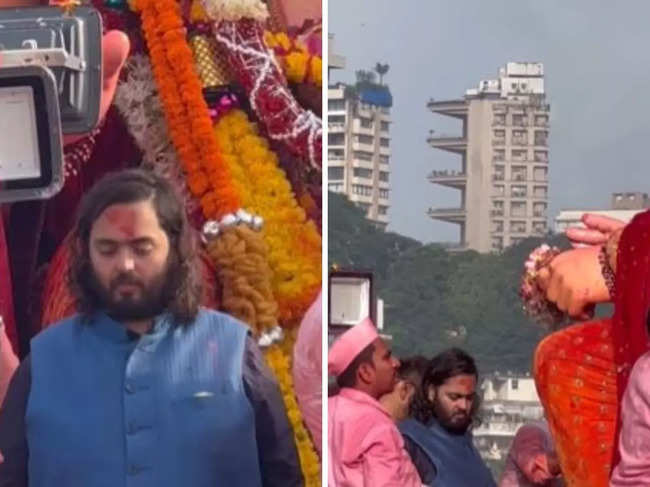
{"x":19,"y":153}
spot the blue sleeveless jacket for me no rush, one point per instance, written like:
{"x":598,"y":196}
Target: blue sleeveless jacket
{"x":457,"y":462}
{"x":166,"y":410}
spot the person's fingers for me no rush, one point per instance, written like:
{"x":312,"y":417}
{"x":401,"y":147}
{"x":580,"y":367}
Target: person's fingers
{"x":602,"y":223}
{"x":115,"y":50}
{"x":586,"y":236}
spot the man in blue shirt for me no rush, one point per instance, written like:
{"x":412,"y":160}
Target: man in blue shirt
{"x":438,"y":437}
{"x":142,"y":387}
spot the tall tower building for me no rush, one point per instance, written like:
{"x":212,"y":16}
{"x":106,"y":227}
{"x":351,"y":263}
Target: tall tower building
{"x":358,"y":157}
{"x":503,"y":149}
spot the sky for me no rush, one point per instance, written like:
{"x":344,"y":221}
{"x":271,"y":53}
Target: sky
{"x":596,"y":57}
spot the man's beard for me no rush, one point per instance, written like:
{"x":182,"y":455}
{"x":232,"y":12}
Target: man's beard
{"x":153,"y":299}
{"x":455,"y":424}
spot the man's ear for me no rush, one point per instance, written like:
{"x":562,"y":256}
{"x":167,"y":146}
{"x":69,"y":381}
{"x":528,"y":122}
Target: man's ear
{"x":366,"y":373}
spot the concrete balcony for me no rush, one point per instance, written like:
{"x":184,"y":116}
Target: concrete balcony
{"x":451,"y":108}
{"x":451,"y":179}
{"x":448,"y":143}
{"x":451,"y":215}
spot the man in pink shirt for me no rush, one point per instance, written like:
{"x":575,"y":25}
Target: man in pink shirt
{"x":365,"y":447}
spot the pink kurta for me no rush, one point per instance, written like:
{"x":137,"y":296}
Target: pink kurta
{"x":634,"y":442}
{"x":365,"y":446}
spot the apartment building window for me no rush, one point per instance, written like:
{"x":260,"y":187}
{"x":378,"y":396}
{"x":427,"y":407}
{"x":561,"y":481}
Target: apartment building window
{"x":499,"y":137}
{"x":539,"y":228}
{"x":336,"y":139}
{"x":499,"y":173}
{"x":497,"y":226}
{"x":540,"y":191}
{"x":384,"y":159}
{"x":519,"y":155}
{"x":539,"y":210}
{"x":335,"y":187}
{"x":499,"y":119}
{"x":515,"y":384}
{"x":382,"y":210}
{"x":335,"y":154}
{"x":364,"y":139}
{"x":383,"y":176}
{"x":384,"y":126}
{"x":499,"y":190}
{"x":518,"y":173}
{"x":365,"y":123}
{"x":517,"y":226}
{"x":540,"y":137}
{"x":540,"y":174}
{"x":383,"y":193}
{"x":360,"y":172}
{"x":335,"y":173}
{"x":519,"y":137}
{"x":333,"y":105}
{"x":336,"y":119}
{"x":541,"y":156}
{"x":497,"y":244}
{"x":363,"y":155}
{"x":497,"y":208}
{"x":362,"y":190}
{"x":516,"y":240}
{"x":518,"y":120}
{"x":517,"y":191}
{"x":384,"y":142}
{"x":517,"y":208}
{"x":499,"y":155}
{"x":541,"y":120}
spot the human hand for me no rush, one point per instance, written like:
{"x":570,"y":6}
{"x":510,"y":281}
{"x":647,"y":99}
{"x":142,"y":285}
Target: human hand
{"x":115,"y":50}
{"x":574,"y":282}
{"x":598,"y":230}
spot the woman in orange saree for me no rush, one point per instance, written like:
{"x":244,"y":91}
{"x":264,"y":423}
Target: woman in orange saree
{"x":582,"y":371}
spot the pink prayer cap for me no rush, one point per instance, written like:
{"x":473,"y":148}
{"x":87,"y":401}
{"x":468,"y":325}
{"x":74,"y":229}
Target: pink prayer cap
{"x":350,"y":344}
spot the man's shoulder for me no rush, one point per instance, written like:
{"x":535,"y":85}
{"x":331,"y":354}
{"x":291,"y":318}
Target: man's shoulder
{"x":57,"y":331}
{"x":211,"y":317}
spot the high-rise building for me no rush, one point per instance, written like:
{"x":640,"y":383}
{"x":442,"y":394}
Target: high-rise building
{"x":358,"y":157}
{"x":503,"y":148}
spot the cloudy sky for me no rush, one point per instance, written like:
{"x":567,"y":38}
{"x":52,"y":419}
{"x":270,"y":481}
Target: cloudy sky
{"x":596,"y":57}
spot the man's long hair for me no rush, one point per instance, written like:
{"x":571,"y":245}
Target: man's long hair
{"x":447,"y":364}
{"x":182,"y":290}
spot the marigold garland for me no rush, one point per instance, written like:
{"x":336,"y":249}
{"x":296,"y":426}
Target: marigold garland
{"x":299,"y":65}
{"x":293,"y":240}
{"x":278,"y":359}
{"x":186,"y":111}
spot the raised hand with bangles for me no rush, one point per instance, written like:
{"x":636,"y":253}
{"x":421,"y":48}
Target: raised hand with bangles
{"x":582,"y":372}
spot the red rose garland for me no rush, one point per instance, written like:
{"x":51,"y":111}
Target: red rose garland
{"x":262,"y":78}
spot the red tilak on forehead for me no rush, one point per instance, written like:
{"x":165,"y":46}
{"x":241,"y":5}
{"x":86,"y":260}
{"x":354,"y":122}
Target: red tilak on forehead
{"x":123,"y":219}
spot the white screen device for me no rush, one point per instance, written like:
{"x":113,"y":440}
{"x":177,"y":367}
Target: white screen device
{"x":19,"y":154}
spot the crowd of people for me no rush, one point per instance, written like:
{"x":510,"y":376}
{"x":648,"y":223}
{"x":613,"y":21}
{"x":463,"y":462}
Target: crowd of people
{"x":409,"y":422}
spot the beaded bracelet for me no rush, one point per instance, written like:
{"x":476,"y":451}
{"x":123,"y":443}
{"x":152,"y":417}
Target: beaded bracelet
{"x":533,"y":296}
{"x":607,"y":271}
